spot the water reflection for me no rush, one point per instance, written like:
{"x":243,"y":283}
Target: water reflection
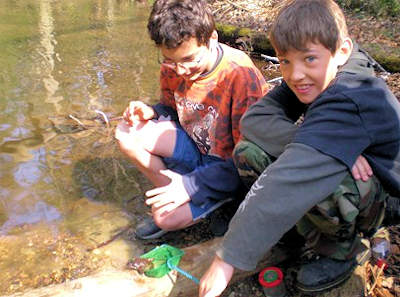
{"x":40,"y":211}
{"x":62,"y":193}
{"x":47,"y":52}
{"x":28,"y":173}
{"x":110,"y":14}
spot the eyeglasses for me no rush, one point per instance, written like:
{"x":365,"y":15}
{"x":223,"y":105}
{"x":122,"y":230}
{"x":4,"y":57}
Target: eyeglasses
{"x":187,"y":64}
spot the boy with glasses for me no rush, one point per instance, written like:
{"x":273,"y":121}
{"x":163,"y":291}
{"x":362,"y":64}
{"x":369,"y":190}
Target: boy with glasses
{"x":183,"y":144}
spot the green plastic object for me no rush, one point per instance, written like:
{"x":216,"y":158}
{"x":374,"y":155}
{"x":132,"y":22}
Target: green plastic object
{"x":162,"y":256}
{"x":270,"y":276}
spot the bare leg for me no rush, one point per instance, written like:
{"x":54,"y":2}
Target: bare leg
{"x":145,"y":143}
{"x":179,"y":218}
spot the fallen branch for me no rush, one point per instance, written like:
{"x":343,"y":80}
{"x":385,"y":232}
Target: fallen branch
{"x":78,"y":121}
{"x":114,"y":237}
{"x":238,"y":6}
{"x":376,"y":279}
{"x":124,"y":283}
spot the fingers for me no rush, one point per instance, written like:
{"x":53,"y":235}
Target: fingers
{"x":175,"y":178}
{"x":141,"y":111}
{"x":174,"y":193}
{"x":159,"y":197}
{"x":169,"y":173}
{"x":159,"y":200}
{"x":211,"y":294}
{"x":361,"y":169}
{"x":164,"y":202}
{"x":216,"y":278}
{"x":134,"y":109}
{"x":127,"y":116}
{"x":175,"y":185}
{"x":138,"y":111}
{"x":148,"y":112}
{"x":155,"y":191}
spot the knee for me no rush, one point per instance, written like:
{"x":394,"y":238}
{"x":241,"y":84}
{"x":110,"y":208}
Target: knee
{"x":171,"y":221}
{"x":240,"y":151}
{"x":124,"y":145}
{"x":128,"y":147}
{"x":248,"y":156}
{"x":127,"y":140}
{"x":165,"y":222}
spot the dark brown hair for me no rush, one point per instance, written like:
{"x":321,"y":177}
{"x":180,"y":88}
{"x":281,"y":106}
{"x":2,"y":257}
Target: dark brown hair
{"x":172,"y":22}
{"x":301,"y":21}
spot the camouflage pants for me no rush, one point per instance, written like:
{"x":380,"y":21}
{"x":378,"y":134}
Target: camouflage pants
{"x":335,"y":226}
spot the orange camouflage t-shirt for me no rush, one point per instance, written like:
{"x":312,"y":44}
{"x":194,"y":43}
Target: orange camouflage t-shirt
{"x":210,"y":108}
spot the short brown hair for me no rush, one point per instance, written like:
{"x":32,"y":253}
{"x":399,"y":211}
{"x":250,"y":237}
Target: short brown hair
{"x":172,"y":22}
{"x":301,"y":21}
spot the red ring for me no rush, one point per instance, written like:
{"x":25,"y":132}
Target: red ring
{"x":274,"y":283}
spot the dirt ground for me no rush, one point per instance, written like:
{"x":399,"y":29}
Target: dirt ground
{"x":257,"y":15}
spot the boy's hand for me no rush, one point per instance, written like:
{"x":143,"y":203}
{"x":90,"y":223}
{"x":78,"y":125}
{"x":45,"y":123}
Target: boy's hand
{"x":138,"y":111}
{"x":361,"y":169}
{"x":216,"y":278}
{"x":170,"y":196}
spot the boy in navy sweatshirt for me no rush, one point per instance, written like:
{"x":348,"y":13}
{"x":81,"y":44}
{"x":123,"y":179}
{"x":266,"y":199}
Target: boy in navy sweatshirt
{"x":348,"y":115}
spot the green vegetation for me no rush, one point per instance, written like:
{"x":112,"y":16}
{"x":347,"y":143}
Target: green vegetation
{"x":383,"y":8}
{"x":258,"y":41}
{"x":389,"y":58}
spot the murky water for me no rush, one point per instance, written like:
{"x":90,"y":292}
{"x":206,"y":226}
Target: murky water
{"x":65,"y":190}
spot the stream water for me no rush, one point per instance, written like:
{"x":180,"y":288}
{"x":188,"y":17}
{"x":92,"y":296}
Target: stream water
{"x":68,"y":198}
{"x":65,"y":191}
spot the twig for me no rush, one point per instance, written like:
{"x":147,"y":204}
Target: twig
{"x":275,"y":80}
{"x":217,"y":10}
{"x":238,"y":6}
{"x":118,"y":118}
{"x":270,"y":58}
{"x":226,"y":10}
{"x":77,"y":120}
{"x":104,"y":116}
{"x":126,"y":228}
{"x":366,"y":278}
{"x":376,"y":279}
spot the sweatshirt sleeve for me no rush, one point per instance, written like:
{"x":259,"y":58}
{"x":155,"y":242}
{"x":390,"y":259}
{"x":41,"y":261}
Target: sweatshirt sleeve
{"x":218,"y":180}
{"x":270,"y":122}
{"x":299,"y":179}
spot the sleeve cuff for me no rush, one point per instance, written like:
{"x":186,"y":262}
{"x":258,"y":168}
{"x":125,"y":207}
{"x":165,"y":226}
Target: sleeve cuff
{"x":192,"y":189}
{"x":233,"y":260}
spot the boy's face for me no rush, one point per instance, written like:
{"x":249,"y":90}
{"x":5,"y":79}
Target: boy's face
{"x":189,"y":60}
{"x":308,"y":73}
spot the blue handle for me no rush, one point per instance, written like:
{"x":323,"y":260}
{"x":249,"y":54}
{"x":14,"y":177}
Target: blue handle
{"x":187,"y":274}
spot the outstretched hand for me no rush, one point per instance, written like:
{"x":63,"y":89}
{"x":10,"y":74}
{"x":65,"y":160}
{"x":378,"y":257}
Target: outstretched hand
{"x":361,"y":169}
{"x":216,"y":278}
{"x":171,"y":196}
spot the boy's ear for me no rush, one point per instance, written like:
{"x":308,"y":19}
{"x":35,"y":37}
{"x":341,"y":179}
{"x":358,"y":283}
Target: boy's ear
{"x":344,"y":51}
{"x":213,"y":38}
{"x":214,"y":35}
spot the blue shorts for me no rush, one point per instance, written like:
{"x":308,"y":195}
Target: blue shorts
{"x":186,"y":158}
